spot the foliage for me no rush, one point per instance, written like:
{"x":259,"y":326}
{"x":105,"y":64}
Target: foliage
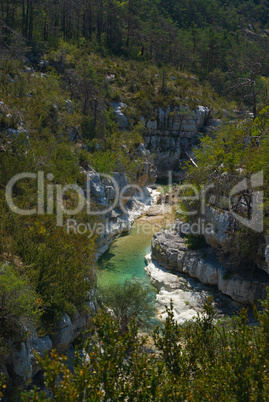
{"x":212,"y":39}
{"x":113,"y":366}
{"x":200,"y":360}
{"x":2,"y":386}
{"x":61,"y":65}
{"x":20,"y":306}
{"x":56,"y":264}
{"x":128,"y":301}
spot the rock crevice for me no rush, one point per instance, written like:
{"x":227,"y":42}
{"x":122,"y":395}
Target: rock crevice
{"x":173,"y":132}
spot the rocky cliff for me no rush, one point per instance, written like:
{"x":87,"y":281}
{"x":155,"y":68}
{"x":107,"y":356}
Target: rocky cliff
{"x":187,"y":294}
{"x":174,"y":131}
{"x":170,"y":250}
{"x":224,"y":223}
{"x":19,"y":365}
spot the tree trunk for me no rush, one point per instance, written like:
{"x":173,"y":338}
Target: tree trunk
{"x":128,"y":24}
{"x":45,"y":29}
{"x":64,"y":20}
{"x":27,"y":19}
{"x":100,"y":21}
{"x":253,"y":95}
{"x":31,"y":20}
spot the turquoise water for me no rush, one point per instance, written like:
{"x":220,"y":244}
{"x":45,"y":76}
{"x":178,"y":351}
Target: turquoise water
{"x":125,"y":258}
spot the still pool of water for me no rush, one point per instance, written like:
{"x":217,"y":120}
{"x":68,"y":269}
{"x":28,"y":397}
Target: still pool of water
{"x":125,"y":258}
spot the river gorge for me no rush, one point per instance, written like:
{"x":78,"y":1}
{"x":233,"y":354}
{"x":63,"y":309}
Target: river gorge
{"x":134,"y":256}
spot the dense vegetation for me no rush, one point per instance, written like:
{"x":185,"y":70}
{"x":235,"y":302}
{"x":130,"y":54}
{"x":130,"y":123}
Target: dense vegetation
{"x":38,"y":127}
{"x":218,"y":41}
{"x":33,"y":248}
{"x":200,"y":361}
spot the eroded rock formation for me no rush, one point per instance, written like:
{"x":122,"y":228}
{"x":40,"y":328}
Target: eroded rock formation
{"x":170,"y":250}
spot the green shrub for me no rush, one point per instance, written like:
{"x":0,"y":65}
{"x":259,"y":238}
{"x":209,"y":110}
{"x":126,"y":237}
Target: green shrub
{"x":19,"y":304}
{"x":130,"y":300}
{"x":104,"y":161}
{"x":59,"y":265}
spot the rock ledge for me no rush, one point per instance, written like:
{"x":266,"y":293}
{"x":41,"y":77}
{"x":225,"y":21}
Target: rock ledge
{"x":170,"y":250}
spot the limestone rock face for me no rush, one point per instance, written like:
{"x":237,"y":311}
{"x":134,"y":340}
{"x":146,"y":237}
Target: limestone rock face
{"x":175,"y":130}
{"x":13,"y":132}
{"x":171,"y":287}
{"x":40,"y":346}
{"x":117,"y":213}
{"x":120,"y":117}
{"x":110,"y":193}
{"x":203,"y":265}
{"x":187,"y":294}
{"x":122,"y":182}
{"x":66,"y":331}
{"x":121,"y":204}
{"x":142,"y":151}
{"x":20,"y":366}
{"x":243,"y":289}
{"x":204,"y":270}
{"x":69,"y":106}
{"x":221,"y":222}
{"x":120,"y":220}
{"x":167,"y":249}
{"x":184,"y":307}
{"x":73,"y":134}
{"x":105,"y":188}
{"x":161,"y":278}
{"x":152,"y":125}
{"x":146,"y":175}
{"x":97,"y":188}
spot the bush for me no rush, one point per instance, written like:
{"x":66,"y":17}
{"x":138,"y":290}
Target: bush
{"x":19,"y":304}
{"x":112,"y":367}
{"x":58,"y":264}
{"x":130,"y":300}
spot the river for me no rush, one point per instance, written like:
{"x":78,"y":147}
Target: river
{"x":125,"y":258}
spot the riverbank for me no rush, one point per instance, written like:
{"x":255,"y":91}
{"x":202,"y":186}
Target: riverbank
{"x":187,"y":294}
{"x":175,"y":270}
